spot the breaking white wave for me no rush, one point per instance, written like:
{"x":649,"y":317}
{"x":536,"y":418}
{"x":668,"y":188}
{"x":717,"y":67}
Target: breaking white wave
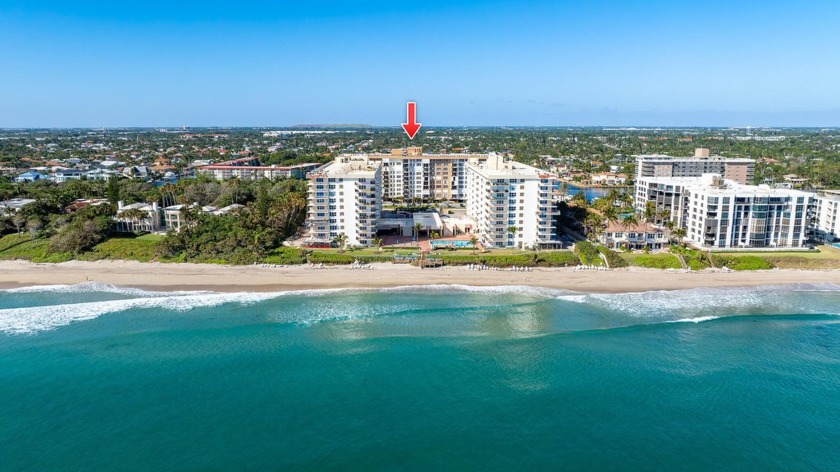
{"x":98,"y":287}
{"x":40,"y":318}
{"x":693,"y":305}
{"x":543,"y":292}
{"x":701,"y":303}
{"x":699,"y":319}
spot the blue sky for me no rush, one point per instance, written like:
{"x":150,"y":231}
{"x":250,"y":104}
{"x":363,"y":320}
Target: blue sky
{"x":260,"y":63}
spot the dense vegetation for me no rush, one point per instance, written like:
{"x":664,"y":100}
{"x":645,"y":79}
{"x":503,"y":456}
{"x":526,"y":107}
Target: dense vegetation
{"x":272,"y":212}
{"x":588,"y":253}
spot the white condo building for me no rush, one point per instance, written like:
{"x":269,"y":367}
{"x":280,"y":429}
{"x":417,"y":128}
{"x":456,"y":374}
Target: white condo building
{"x":826,"y":216}
{"x":725,"y":214}
{"x":345,"y":197}
{"x":503,"y":195}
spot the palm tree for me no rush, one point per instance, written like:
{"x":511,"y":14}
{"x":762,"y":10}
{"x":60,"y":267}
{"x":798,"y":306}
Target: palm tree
{"x":592,"y":225}
{"x":377,"y":242}
{"x":663,"y":216}
{"x":417,"y":228}
{"x":341,"y":240}
{"x":629,"y":221}
{"x":474,"y":242}
{"x":612,"y":196}
{"x":678,"y":234}
{"x":135,"y":215}
{"x":611,"y":215}
{"x":650,"y":211}
{"x":579,"y":199}
{"x":512,"y":230}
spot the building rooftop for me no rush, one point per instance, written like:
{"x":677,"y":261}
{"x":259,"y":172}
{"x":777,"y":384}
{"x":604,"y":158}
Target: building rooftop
{"x":357,"y":165}
{"x":497,"y":168}
{"x":640,"y":227}
{"x":15,"y":204}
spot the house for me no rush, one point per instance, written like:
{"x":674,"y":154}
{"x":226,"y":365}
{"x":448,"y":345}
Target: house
{"x":151,"y":221}
{"x":14,"y":205}
{"x":173,"y":215}
{"x":638,"y":236}
{"x":162,"y":165}
{"x":608,"y":178}
{"x":84,"y":202}
{"x":136,"y":172}
{"x":101,"y":174}
{"x":30,"y":177}
{"x":62,"y":176}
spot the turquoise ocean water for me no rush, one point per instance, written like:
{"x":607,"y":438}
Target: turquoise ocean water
{"x":94,"y":377}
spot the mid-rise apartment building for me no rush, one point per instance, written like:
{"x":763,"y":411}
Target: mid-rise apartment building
{"x":409,"y":174}
{"x":666,"y":193}
{"x":345,"y":197}
{"x":656,"y":165}
{"x":723,"y":213}
{"x":249,"y":168}
{"x":511,"y":203}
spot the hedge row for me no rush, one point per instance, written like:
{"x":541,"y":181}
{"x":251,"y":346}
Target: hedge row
{"x":330,"y":258}
{"x":316,"y":257}
{"x":492,"y":260}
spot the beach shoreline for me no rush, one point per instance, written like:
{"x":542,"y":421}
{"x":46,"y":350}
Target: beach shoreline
{"x":224,"y":278}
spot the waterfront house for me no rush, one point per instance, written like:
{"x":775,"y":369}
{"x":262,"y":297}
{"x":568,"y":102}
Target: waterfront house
{"x":637,"y":236}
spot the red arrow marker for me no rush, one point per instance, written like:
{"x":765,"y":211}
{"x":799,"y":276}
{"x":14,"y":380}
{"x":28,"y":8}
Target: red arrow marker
{"x":412,"y":126}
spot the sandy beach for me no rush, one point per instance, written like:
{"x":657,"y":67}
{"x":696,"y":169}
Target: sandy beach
{"x":166,"y":277}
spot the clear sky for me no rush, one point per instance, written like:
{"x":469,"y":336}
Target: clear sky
{"x":554,"y":63}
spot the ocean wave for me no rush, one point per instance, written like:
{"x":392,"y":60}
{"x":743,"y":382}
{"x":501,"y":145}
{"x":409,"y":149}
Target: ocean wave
{"x":699,"y":319}
{"x":699,"y":303}
{"x":97,"y":287}
{"x":29,"y":320}
{"x":691,"y":305}
{"x":543,"y":292}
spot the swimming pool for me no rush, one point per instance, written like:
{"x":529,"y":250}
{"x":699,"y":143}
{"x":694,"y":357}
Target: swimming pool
{"x":450,"y":243}
{"x":837,"y":245}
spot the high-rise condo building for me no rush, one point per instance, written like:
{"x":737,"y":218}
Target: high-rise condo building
{"x":345,"y":197}
{"x":511,"y":203}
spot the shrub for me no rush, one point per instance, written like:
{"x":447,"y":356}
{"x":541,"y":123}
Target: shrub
{"x":742,"y":262}
{"x":655,"y":261}
{"x":501,"y":260}
{"x":557,"y":259}
{"x":285,"y":256}
{"x":587,"y":253}
{"x":330,"y":258}
{"x":613,"y":258}
{"x":135,"y":249}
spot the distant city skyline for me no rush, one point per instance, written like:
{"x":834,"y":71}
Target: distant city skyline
{"x":478,"y":63}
